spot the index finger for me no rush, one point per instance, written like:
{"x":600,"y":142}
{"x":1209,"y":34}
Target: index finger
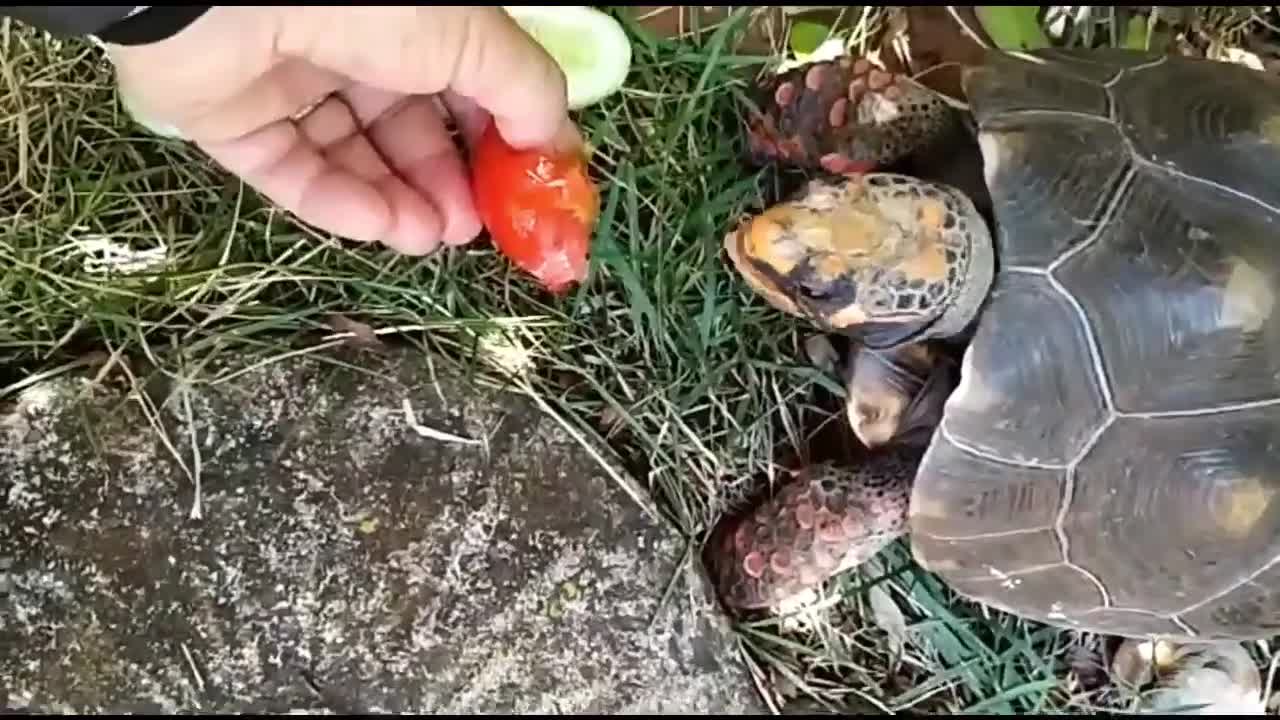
{"x":507,"y":73}
{"x":480,"y":53}
{"x":472,"y":120}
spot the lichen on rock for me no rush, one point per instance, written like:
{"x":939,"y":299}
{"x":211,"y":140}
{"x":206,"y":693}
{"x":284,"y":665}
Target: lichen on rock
{"x":339,"y":561}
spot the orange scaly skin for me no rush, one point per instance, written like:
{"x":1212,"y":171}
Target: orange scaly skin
{"x":844,"y":116}
{"x":826,"y":521}
{"x":540,"y":208}
{"x":841,"y":117}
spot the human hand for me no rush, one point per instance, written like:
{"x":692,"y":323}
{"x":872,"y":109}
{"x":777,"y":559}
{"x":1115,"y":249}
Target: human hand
{"x":373,"y":162}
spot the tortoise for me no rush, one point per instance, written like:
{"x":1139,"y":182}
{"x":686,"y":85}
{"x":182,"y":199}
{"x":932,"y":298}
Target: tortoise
{"x":1106,"y":460}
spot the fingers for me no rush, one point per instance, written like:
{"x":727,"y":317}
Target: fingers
{"x":478,"y":52}
{"x":327,"y":173}
{"x":412,"y":137}
{"x":286,"y":88}
{"x":470,"y":117}
{"x":505,"y":72}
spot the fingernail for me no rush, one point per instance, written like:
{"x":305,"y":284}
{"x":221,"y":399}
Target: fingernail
{"x":465,"y":231}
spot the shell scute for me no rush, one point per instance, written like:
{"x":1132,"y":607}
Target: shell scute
{"x":1130,"y":349}
{"x":1029,"y":391}
{"x":1180,"y":288}
{"x":1216,"y":122}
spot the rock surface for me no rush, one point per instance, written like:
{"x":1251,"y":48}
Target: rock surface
{"x":338,"y":561}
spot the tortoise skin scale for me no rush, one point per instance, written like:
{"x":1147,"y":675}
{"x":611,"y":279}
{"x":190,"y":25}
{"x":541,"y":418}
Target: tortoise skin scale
{"x":827,"y":520}
{"x":1107,"y":462}
{"x":845,"y":116}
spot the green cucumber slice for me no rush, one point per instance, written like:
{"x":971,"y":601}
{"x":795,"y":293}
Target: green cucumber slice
{"x":590,"y":46}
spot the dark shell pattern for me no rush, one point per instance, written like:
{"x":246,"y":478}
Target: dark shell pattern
{"x":1109,"y":460}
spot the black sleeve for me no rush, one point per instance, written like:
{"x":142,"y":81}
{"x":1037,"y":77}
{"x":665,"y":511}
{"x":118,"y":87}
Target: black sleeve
{"x":110,"y":23}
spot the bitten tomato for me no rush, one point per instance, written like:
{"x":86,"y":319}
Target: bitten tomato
{"x":540,"y":208}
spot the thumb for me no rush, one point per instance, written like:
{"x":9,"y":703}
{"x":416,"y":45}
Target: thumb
{"x":479,"y":53}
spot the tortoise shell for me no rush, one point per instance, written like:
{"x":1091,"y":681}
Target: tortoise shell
{"x":1109,"y":459}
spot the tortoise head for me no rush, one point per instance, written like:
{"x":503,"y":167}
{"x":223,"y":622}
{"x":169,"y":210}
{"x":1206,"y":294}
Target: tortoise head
{"x":884,"y":258}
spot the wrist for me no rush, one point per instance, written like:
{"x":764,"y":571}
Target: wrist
{"x":147,"y":24}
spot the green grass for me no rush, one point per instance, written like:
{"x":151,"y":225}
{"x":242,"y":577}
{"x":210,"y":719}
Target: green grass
{"x":662,"y":355}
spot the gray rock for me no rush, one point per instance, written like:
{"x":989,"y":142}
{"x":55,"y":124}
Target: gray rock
{"x":338,"y":561}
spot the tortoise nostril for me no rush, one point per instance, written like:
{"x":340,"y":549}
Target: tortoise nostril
{"x":869,"y":413}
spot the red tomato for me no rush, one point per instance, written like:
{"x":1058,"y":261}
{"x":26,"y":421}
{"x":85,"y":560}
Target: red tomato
{"x":540,"y":208}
